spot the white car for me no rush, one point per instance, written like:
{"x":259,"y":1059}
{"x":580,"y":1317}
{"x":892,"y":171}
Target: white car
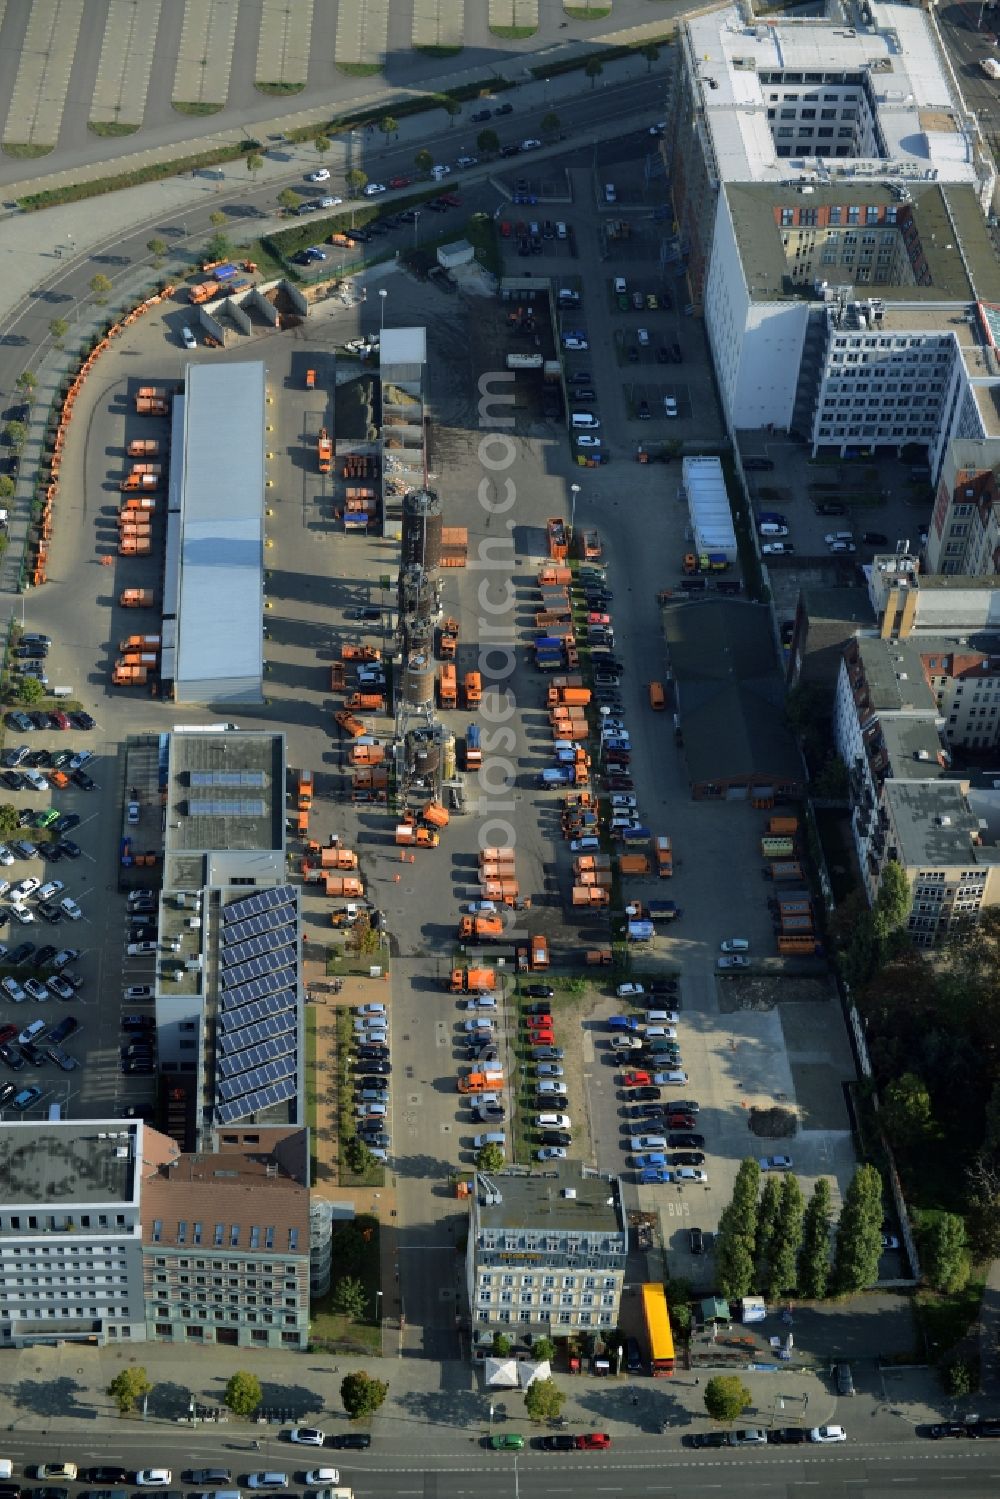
{"x":307,"y":1436}
{"x":371,"y":1009}
{"x":629,"y":991}
{"x":139,"y":949}
{"x":735,"y":960}
{"x":188,"y":339}
{"x":13,"y":990}
{"x":690,"y":1174}
{"x":321,"y":174}
{"x":623,"y":799}
{"x":69,"y":907}
{"x":80,"y":759}
{"x":323,"y":1475}
{"x":153,"y":1478}
{"x":843,"y":546}
{"x":828,"y":1434}
{"x":626,"y":1043}
{"x":553,"y":1153}
{"x":374,"y":188}
{"x":735,"y":944}
{"x":531,"y":145}
{"x":777,"y":549}
{"x":467,"y":161}
{"x":479,"y":1002}
{"x":24,"y":888}
{"x":49,"y":889}
{"x":775,"y":1163}
{"x":24,"y":916}
{"x":6,"y":857}
{"x":573,"y":342}
{"x":440,"y":171}
{"x":330,"y":202}
{"x":480,"y":1026}
{"x":669,"y":406}
{"x":642,"y":334}
{"x":589,"y":442}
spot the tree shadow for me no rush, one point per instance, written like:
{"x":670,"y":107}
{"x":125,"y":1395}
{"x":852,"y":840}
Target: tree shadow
{"x":51,"y":1397}
{"x":169,"y":1400}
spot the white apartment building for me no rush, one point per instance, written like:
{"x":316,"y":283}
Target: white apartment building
{"x":70,"y":1232}
{"x":546,"y":1253}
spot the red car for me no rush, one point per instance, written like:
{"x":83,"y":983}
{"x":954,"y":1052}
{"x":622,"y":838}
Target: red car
{"x":680,"y":1121}
{"x":505,"y":228}
{"x":636,"y":1080}
{"x":593,"y":1441}
{"x":538,"y":1022}
{"x":59,"y":720}
{"x":450,"y":200}
{"x":542,"y":1038}
{"x":399,"y":181}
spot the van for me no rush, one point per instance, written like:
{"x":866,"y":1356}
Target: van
{"x":585,"y":420}
{"x":492,"y":1137}
{"x":772,"y":528}
{"x":657,"y":697}
{"x":558,"y":1121}
{"x":62,"y":692}
{"x":223,"y":1494}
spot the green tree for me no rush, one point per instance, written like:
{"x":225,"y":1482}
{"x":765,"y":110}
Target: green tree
{"x":362,"y":1395}
{"x":321,"y":145}
{"x":27,"y":382}
{"x":550,"y":123}
{"x":157,"y":248}
{"x":983,"y":1211}
{"x":350,"y":1298}
{"x":651,"y":53}
{"x":767,"y":1221}
{"x":100,"y":286}
{"x":906,"y":1110}
{"x":490,"y":1159}
{"x":945,"y":1255}
{"x":7,"y":486}
{"x":787,"y":1240}
{"x":501,"y":1345}
{"x":423,"y":161}
{"x":593,"y":70}
{"x":356,"y":180}
{"x":362,"y":938}
{"x":30,"y":690}
{"x":289,"y":200}
{"x":960,"y":1377}
{"x":254,"y":163}
{"x":452,"y":109}
{"x":8,"y":820}
{"x":243,"y":1393}
{"x":128,"y":1387}
{"x":814,"y":1256}
{"x":543,"y":1350}
{"x":14,"y":434}
{"x":831,"y":782}
{"x":543,"y":1400}
{"x":217,"y":219}
{"x":726,"y":1397}
{"x":746,"y":1188}
{"x":347,"y":1249}
{"x":892,"y":904}
{"x":859,"y":1233}
{"x":388,"y":125}
{"x":733,"y":1258}
{"x":58,"y":327}
{"x":487,"y":143}
{"x":218,"y":248}
{"x":359,"y":1157}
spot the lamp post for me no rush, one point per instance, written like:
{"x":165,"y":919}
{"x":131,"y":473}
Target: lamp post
{"x":382,"y":294}
{"x":574,"y":490}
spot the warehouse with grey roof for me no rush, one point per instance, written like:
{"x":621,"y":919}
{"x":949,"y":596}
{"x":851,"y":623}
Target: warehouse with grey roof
{"x":214,"y":575}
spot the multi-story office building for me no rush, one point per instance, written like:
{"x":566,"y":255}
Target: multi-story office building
{"x":226,"y":1240}
{"x":70,"y":1232}
{"x":964,"y":534}
{"x":771,"y":100}
{"x":546,"y":1252}
{"x":904,"y":702}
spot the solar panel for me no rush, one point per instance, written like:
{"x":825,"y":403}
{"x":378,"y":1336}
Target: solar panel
{"x":244,"y":1062}
{"x":257,"y":1077}
{"x":268,"y":898}
{"x":269,"y":965}
{"x":229,"y":780}
{"x":242,"y":1036}
{"x":253,"y":1103}
{"x":212,"y":806}
{"x":252,"y":1008}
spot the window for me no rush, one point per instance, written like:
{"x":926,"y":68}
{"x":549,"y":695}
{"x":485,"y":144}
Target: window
{"x":182,"y":1230}
{"x":220,"y":1231}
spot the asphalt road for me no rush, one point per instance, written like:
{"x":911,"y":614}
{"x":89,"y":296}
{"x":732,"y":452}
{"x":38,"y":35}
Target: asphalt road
{"x":873,"y":1468}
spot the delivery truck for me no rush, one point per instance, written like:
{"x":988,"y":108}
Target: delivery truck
{"x":472,"y":981}
{"x":408,"y":836}
{"x":447,"y":686}
{"x":480,"y":929}
{"x":664,"y":857}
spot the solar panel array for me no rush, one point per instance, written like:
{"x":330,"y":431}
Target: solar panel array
{"x":258,"y":1023}
{"x":217,"y":807}
{"x":229,"y":780}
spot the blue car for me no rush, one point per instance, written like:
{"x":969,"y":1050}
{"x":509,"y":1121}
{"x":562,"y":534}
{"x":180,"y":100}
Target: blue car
{"x":654,"y":1160}
{"x":623,"y":1023}
{"x":655,"y":1176}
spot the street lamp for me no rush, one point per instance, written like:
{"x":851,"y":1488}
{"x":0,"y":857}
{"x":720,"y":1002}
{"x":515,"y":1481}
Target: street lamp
{"x":382,"y":294}
{"x":416,"y":224}
{"x":574,"y":490}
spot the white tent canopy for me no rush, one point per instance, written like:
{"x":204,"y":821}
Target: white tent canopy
{"x":510,"y":1374}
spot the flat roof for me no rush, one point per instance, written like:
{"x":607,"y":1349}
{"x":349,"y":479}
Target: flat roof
{"x":894,"y":676}
{"x":226,"y":791}
{"x":934,"y":824}
{"x":539,"y":1200}
{"x":403,"y":345}
{"x":220,"y":650}
{"x":943,"y":224}
{"x":60,"y":1163}
{"x":896,"y":60}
